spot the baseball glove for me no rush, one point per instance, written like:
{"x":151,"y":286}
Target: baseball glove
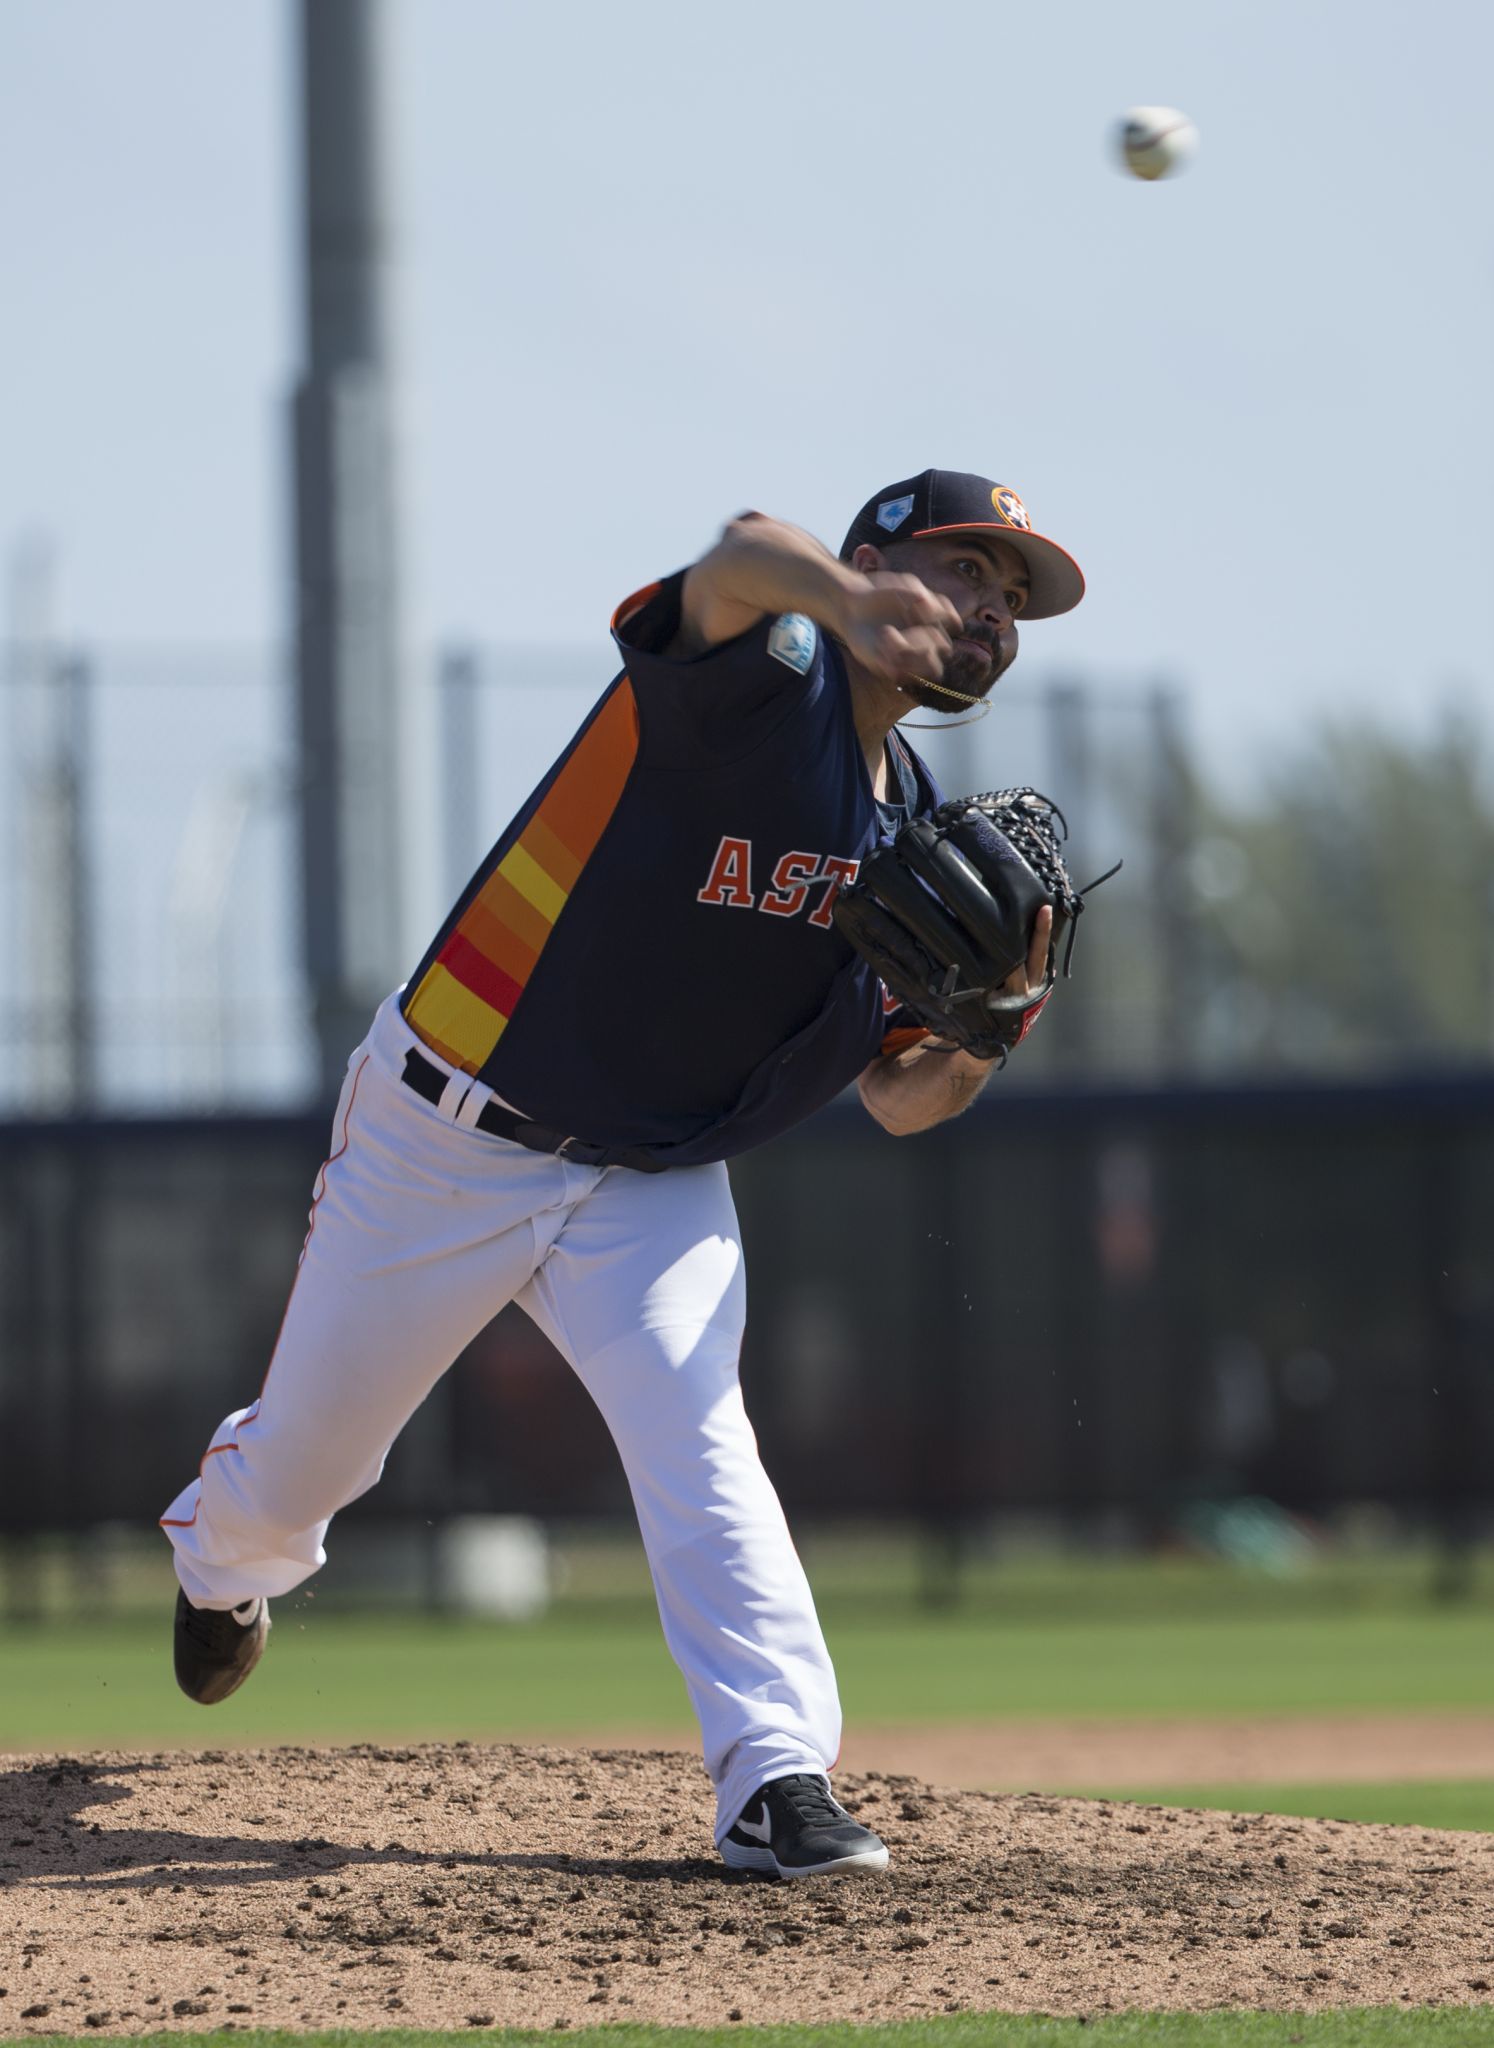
{"x":944,"y":912}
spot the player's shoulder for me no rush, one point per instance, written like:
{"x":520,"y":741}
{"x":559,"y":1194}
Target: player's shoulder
{"x":651,"y":624}
{"x":794,"y":640}
{"x":723,"y":702}
{"x":648,"y":621}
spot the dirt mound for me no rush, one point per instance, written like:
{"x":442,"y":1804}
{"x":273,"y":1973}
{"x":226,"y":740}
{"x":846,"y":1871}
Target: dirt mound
{"x":475,"y":1885}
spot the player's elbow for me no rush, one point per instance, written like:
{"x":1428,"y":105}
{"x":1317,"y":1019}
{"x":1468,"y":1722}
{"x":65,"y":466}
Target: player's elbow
{"x":719,"y":598}
{"x":735,"y":536}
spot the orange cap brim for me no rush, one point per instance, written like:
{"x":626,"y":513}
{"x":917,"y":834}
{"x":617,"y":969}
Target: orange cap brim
{"x":1056,"y":582}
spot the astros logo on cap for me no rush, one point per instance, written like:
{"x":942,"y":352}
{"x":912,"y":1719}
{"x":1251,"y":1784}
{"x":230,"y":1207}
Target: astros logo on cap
{"x":1010,"y":508}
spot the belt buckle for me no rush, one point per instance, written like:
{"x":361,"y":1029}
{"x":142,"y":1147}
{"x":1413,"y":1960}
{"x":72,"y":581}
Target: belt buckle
{"x":578,"y":1156}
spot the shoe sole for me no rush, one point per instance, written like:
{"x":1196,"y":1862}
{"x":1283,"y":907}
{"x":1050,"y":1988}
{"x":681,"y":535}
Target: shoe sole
{"x":763,"y":1860}
{"x":216,"y":1694}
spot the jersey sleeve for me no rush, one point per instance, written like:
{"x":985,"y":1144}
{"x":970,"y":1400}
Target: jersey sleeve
{"x":721,"y":704}
{"x":900,"y":1035}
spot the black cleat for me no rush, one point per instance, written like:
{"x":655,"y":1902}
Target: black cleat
{"x":217,"y":1648}
{"x":792,"y":1827}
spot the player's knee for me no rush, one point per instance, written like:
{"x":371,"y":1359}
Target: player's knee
{"x":280,"y":1490}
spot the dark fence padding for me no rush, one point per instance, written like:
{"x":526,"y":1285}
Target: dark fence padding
{"x":1095,"y":1304}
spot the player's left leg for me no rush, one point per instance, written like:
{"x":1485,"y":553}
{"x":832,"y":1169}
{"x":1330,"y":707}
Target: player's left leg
{"x":644,"y":1292}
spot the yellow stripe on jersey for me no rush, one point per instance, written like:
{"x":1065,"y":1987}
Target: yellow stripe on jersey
{"x":464,"y":1001}
{"x":529,"y":878}
{"x":454,"y":1022}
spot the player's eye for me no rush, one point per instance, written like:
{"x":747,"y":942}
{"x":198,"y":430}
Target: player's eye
{"x":1015,"y":599}
{"x":971,"y":570}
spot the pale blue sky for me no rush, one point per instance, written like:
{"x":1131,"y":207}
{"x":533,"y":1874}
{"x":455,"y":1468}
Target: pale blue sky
{"x":664,"y":261}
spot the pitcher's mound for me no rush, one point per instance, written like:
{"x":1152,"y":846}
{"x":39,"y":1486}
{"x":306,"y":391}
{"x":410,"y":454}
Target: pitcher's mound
{"x":478,"y":1886}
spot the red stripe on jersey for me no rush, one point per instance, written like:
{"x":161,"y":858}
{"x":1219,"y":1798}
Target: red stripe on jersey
{"x":482,"y":976}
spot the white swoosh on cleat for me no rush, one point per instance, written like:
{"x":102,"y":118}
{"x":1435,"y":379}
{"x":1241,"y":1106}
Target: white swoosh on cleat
{"x":760,"y":1830}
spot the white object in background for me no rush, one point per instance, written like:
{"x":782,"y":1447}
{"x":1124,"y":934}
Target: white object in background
{"x":1156,"y":141}
{"x":495,"y":1565}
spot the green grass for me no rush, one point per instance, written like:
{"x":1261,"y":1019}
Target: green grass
{"x":961,"y":1668}
{"x":1430,"y":1803}
{"x":403,"y":1678}
{"x":1374,"y":2027}
{"x":1031,"y":1636}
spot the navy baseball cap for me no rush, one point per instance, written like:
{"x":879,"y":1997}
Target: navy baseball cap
{"x":952,"y":501}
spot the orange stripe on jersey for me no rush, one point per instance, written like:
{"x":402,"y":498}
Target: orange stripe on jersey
{"x":501,"y":901}
{"x":551,"y":853}
{"x":499,"y":940}
{"x":585,"y":793}
{"x":463,"y":1004}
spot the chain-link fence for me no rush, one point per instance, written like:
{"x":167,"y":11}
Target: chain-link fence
{"x":152,"y":909}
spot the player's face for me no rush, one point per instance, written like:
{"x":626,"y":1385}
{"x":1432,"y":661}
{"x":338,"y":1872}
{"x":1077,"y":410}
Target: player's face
{"x":986,"y":581}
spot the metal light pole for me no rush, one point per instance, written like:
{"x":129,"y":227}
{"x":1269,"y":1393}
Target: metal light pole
{"x":351,"y":679}
{"x":1066,"y":710}
{"x":1172,"y":840}
{"x":50,"y":731}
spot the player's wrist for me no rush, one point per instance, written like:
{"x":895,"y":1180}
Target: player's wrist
{"x":955,"y":1057}
{"x":962,"y":1061}
{"x":844,"y":593}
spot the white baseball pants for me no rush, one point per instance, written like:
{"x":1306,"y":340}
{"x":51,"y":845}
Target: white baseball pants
{"x":421,"y":1230}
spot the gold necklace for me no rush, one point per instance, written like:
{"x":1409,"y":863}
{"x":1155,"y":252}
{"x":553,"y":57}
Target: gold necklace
{"x":982,"y":706}
{"x":945,"y":691}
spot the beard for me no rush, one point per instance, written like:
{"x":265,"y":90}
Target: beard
{"x":971,"y":674}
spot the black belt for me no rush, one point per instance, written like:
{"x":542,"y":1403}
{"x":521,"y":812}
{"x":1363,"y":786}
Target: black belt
{"x":429,"y":1082}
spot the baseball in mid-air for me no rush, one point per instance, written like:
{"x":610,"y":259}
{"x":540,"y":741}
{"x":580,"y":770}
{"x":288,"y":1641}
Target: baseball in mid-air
{"x":1156,"y":141}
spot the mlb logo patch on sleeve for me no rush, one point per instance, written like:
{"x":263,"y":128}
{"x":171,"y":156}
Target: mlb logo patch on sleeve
{"x":792,"y":642}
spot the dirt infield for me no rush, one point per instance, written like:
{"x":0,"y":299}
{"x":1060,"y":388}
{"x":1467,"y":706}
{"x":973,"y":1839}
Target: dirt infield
{"x":1066,"y":1755}
{"x":1062,"y":1755}
{"x":473,"y":1885}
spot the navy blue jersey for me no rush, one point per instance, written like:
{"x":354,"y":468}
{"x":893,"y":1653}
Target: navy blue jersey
{"x":646,"y":957}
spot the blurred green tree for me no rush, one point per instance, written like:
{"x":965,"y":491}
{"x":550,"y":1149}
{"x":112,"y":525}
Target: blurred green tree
{"x":1345,"y":918}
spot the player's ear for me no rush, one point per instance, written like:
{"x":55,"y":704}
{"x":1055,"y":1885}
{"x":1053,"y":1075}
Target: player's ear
{"x":865,"y":558}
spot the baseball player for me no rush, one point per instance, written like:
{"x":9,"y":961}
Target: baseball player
{"x":641,"y":980}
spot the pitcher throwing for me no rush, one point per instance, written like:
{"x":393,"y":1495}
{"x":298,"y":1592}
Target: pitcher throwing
{"x":524,"y":1122}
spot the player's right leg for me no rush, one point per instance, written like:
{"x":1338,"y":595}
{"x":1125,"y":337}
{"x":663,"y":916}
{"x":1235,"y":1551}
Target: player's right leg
{"x":420,"y":1232}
